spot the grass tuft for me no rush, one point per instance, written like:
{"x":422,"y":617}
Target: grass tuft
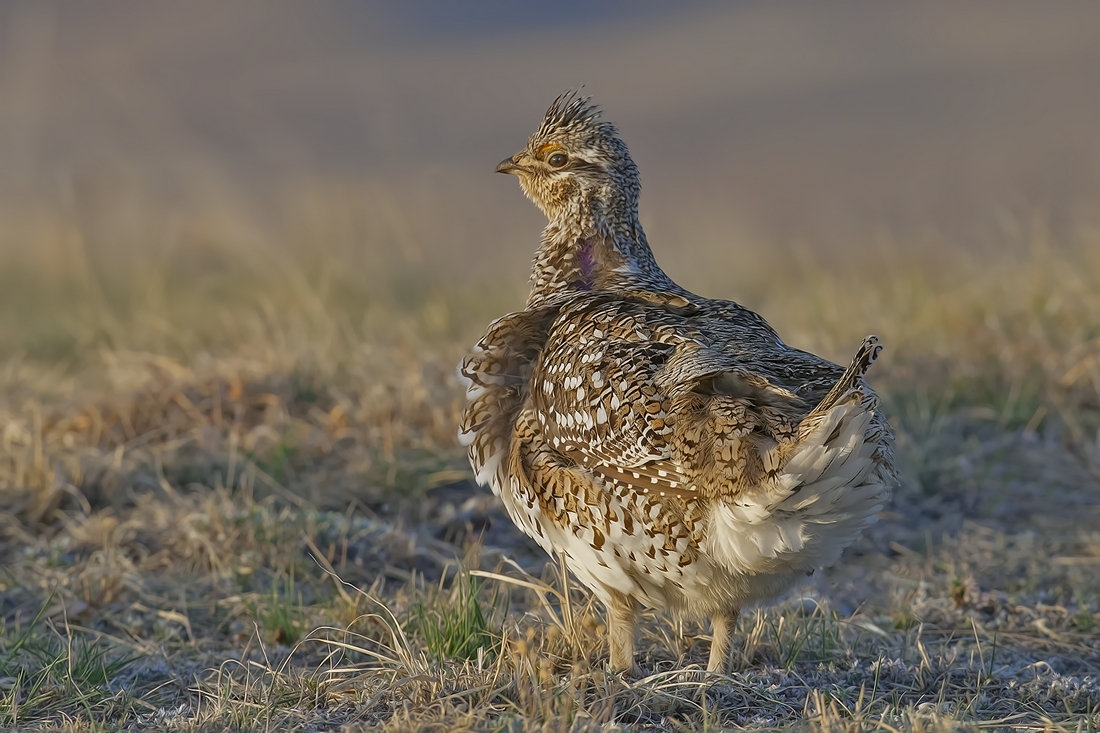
{"x":47,"y":672}
{"x":454,"y":625}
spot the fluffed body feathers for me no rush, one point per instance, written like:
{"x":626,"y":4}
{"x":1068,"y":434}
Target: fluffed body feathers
{"x":671,"y":448}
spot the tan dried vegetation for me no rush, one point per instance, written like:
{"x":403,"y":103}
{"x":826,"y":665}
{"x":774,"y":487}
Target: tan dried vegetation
{"x":232,"y":499}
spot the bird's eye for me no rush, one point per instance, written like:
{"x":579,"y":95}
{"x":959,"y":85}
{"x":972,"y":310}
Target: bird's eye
{"x":557,"y":160}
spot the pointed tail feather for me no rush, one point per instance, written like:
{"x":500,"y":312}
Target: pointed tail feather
{"x":852,"y":376}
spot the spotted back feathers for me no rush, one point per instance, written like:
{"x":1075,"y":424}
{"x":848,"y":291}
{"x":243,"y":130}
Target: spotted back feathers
{"x":670,"y":446}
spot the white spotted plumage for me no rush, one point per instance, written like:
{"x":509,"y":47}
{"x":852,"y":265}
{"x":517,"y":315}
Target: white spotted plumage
{"x":670,"y":447}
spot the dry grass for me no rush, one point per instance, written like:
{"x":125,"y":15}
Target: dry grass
{"x":230,"y":495}
{"x":246,"y":510}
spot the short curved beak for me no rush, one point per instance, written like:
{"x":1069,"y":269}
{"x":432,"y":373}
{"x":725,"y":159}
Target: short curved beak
{"x":510,"y":166}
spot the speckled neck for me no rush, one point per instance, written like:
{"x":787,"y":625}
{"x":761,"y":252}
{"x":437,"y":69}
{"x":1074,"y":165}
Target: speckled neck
{"x":593,"y":245}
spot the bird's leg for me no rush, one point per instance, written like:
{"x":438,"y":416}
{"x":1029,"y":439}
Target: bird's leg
{"x":721,"y":629}
{"x":622,"y":616}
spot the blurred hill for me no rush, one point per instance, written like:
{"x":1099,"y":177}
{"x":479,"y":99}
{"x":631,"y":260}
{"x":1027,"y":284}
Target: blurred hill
{"x":368,"y":131}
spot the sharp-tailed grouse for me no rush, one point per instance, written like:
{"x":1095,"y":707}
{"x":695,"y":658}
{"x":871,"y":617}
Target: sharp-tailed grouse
{"x":671,"y":448}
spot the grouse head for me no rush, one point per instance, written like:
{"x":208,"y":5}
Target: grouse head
{"x":575,"y":168}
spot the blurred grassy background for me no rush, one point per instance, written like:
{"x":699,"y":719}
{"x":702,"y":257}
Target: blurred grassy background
{"x":169,"y":164}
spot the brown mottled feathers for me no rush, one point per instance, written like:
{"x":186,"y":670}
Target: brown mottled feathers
{"x":670,"y":447}
{"x":682,"y":398}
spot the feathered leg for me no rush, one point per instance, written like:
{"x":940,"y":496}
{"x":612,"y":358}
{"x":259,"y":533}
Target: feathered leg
{"x":622,"y":617}
{"x":721,"y":629}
